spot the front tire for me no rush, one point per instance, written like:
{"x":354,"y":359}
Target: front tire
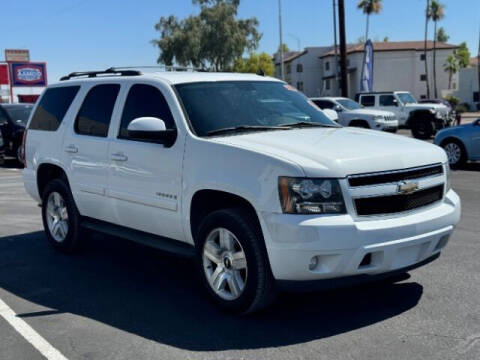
{"x":455,"y":152}
{"x":61,"y":219}
{"x":422,"y":129}
{"x":233,"y":261}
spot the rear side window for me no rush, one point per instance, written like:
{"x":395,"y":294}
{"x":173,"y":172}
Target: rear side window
{"x":145,"y":100}
{"x":96,"y":112}
{"x":386,"y":100}
{"x":368,"y":100}
{"x":52,"y":108}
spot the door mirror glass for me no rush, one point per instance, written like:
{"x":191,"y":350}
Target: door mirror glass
{"x":338,"y":108}
{"x":151,"y":129}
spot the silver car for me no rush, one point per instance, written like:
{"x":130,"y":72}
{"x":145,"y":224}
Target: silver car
{"x":461,"y":143}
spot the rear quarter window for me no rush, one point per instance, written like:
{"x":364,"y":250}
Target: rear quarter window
{"x":52,"y":108}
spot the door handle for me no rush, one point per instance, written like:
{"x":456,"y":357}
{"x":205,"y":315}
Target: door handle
{"x":118,"y":157}
{"x":72,"y":149}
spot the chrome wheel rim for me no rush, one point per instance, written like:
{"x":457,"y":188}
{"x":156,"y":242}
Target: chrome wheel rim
{"x":57,"y":216}
{"x":454,"y":153}
{"x":225,"y":264}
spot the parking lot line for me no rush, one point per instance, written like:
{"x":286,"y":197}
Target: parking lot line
{"x":34,"y":338}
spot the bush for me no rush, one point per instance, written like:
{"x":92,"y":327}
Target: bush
{"x":454,"y":101}
{"x":463,"y":107}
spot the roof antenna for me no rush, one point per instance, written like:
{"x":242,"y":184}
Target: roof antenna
{"x":260,"y":72}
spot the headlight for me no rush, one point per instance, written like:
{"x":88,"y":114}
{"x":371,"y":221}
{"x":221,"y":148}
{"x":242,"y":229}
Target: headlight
{"x":448,"y":184}
{"x":310,"y":196}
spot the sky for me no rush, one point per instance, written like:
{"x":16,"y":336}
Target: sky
{"x":75,"y":35}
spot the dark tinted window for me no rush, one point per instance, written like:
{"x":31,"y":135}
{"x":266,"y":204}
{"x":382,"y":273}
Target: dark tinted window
{"x":368,"y":100}
{"x":19,"y":113}
{"x":145,"y":100}
{"x":96,"y":111}
{"x":386,"y":100}
{"x":323,"y":104}
{"x":53,"y":107}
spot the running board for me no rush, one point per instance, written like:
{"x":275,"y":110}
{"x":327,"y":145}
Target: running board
{"x":158,"y":242}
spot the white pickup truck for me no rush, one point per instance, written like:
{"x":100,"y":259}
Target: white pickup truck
{"x":351,"y":113}
{"x":240,"y":172}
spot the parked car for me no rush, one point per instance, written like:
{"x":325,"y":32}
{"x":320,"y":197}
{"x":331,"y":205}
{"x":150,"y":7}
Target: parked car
{"x":13,"y":119}
{"x":461,"y":143}
{"x":351,"y":113}
{"x":2,"y":150}
{"x":264,"y":197}
{"x":423,"y":119}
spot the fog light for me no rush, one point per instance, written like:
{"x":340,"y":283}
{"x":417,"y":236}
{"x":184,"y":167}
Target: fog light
{"x":313,"y":263}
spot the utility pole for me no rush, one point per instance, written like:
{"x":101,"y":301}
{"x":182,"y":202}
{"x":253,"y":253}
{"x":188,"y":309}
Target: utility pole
{"x":282,"y":65}
{"x":343,"y":49}
{"x":335,"y":45}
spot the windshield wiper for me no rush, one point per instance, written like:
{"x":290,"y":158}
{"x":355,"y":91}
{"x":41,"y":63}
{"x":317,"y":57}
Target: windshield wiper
{"x":308,"y":124}
{"x":243,"y":128}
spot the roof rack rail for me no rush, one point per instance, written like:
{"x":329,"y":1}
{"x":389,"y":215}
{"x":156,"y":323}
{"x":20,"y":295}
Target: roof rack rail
{"x":163,"y":67}
{"x":109,"y":71}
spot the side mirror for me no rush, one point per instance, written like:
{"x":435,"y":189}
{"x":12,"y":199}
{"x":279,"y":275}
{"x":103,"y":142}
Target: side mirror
{"x":151,"y":129}
{"x":338,"y":108}
{"x":395,"y":102}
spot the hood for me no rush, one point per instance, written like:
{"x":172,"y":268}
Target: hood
{"x":437,"y":107}
{"x":372,"y":112}
{"x":323,"y":152}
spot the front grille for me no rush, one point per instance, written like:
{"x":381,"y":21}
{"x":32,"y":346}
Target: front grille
{"x":397,"y":203}
{"x":395,"y":176}
{"x":390,"y":117}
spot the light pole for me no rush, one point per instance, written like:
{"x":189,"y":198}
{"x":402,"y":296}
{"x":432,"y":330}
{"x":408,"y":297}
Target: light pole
{"x":343,"y":48}
{"x":282,"y":65}
{"x":335,"y":45}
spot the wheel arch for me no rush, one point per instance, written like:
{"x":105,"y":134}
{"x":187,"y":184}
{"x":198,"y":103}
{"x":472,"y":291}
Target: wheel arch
{"x":359,"y":121}
{"x":47,"y":172}
{"x":458,"y":141}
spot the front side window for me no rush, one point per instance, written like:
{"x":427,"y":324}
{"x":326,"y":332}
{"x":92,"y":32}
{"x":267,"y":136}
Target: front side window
{"x":386,"y":100}
{"x":145,"y":101}
{"x":212,"y":106}
{"x":96,"y":112}
{"x":367,"y":100}
{"x":52,"y":108}
{"x":406,"y":98}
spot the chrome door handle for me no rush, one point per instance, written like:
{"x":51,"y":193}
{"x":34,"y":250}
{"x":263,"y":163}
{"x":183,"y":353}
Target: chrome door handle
{"x":72,"y":149}
{"x":118,"y":157}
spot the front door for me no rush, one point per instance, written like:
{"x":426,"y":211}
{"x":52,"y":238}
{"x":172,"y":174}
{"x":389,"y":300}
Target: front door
{"x":86,"y":147}
{"x":388,"y":102}
{"x":145,"y":178}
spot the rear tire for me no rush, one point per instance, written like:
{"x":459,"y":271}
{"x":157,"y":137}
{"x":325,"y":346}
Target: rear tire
{"x":238,"y":283}
{"x":61,"y":219}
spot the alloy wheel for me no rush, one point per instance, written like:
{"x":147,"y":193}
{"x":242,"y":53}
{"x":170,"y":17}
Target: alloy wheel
{"x":57,"y":216}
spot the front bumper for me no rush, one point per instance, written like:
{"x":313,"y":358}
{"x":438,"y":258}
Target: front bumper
{"x":346,"y":247}
{"x":387,"y":125}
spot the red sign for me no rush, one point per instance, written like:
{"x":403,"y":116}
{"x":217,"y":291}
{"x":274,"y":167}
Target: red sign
{"x":29,"y":74}
{"x":4,"y":74}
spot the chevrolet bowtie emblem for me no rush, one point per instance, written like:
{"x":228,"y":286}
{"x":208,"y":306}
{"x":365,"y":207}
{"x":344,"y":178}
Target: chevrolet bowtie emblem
{"x":407,"y":187}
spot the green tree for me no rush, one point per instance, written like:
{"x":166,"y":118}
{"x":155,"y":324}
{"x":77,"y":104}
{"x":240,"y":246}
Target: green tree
{"x":442,"y":35}
{"x":369,"y":7}
{"x":451,"y":66}
{"x":463,"y":55}
{"x":437,"y":13}
{"x":213,"y":39}
{"x":255,"y":63}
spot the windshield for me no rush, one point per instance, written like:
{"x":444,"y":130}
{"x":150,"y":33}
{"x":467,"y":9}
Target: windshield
{"x":349,"y":104}
{"x":252,"y":105}
{"x":19,"y":114}
{"x":406,"y":98}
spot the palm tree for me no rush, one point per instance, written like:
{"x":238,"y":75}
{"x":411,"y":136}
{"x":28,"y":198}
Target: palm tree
{"x":436,"y":13}
{"x":451,"y":66}
{"x":369,"y":7}
{"x":427,"y":18}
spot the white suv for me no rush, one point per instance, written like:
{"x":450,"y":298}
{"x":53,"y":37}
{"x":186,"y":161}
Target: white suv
{"x":351,"y":113}
{"x":240,"y":171}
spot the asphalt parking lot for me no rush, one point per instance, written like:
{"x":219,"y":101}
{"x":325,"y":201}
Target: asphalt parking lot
{"x":119,"y":300}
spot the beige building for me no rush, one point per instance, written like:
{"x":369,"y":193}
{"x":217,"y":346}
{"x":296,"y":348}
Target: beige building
{"x":468,"y":91}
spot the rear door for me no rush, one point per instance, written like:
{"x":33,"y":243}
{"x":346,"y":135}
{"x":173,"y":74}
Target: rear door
{"x":86,"y":146}
{"x":145,"y":177}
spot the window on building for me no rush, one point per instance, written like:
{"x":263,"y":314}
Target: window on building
{"x":327,"y":65}
{"x":300,"y":86}
{"x":386,"y":100}
{"x":289,"y":69}
{"x":53,"y":107}
{"x":94,"y":116}
{"x":143,"y":101}
{"x":299,"y":68}
{"x":476,"y":96}
{"x":422,"y":57}
{"x":327,"y":84}
{"x":423,"y":77}
{"x":367,"y":100}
